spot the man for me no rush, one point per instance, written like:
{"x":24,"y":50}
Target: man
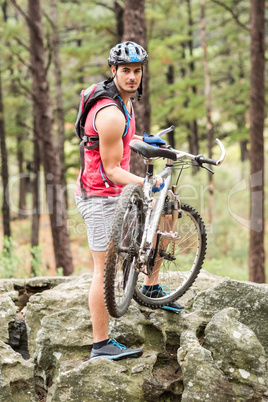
{"x":105,"y":174}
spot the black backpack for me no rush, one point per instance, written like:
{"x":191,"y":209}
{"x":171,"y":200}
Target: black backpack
{"x":102,"y":90}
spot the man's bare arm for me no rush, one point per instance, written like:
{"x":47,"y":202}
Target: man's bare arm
{"x":110,"y":124}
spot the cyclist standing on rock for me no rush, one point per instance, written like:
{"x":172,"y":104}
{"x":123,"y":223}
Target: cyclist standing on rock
{"x":106,"y":172}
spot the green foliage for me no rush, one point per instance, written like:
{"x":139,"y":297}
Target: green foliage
{"x":8,"y":259}
{"x":87,"y":31}
{"x":37,"y":262}
{"x":13,"y":260}
{"x":59,"y":271}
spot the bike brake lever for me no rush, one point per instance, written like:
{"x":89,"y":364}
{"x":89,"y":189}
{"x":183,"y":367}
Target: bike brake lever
{"x":207,"y":168}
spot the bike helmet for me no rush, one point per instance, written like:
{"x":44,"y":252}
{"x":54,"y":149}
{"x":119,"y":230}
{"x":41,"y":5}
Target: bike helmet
{"x":127,"y":52}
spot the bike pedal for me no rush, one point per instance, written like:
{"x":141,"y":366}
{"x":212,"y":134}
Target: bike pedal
{"x":170,"y":235}
{"x":166,"y":256}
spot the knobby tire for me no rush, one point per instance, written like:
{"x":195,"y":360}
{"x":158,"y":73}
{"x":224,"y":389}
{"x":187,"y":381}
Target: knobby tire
{"x":120,"y":276}
{"x":178,"y":275}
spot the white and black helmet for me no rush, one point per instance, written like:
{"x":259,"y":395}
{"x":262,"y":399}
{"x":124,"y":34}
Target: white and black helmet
{"x":127,"y":52}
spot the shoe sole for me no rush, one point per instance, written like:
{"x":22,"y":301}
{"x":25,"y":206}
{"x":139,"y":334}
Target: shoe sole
{"x":119,"y":357}
{"x":175,"y":310}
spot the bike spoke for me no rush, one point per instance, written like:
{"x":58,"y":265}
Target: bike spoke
{"x":188,"y":251}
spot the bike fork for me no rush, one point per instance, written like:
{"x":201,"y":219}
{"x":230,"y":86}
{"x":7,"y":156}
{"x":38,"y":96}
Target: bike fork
{"x":164,"y":236}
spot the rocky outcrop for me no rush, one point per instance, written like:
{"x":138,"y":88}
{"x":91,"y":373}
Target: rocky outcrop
{"x":216,"y":350}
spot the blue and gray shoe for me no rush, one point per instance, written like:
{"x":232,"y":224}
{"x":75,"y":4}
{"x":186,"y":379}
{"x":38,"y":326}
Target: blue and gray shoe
{"x":115,"y":351}
{"x":159,"y":292}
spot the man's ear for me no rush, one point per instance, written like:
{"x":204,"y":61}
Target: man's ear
{"x":113,"y":69}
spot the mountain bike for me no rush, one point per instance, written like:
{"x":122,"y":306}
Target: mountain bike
{"x":155,"y":236}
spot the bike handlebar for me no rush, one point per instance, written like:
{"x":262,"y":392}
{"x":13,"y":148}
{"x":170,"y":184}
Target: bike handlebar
{"x":167,"y":130}
{"x":200,"y":159}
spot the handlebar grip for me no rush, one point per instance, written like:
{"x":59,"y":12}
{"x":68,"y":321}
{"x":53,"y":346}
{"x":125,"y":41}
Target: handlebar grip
{"x":202,"y":159}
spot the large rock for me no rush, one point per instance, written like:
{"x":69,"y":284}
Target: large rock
{"x":59,"y":299}
{"x":202,"y":378}
{"x":250,"y":299}
{"x":101,"y":380}
{"x":216,"y":347}
{"x":16,"y":377}
{"x":7,"y":315}
{"x":238,"y":353}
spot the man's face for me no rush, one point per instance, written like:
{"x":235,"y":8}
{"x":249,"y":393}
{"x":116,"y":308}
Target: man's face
{"x":128,"y":76}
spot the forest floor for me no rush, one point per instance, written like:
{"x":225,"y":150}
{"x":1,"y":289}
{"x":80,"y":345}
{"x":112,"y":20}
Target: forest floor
{"x":20,"y":230}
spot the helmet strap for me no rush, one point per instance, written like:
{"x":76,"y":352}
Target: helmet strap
{"x":140,"y":91}
{"x":140,"y":88}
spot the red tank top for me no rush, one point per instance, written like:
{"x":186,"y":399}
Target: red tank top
{"x":95,"y":181}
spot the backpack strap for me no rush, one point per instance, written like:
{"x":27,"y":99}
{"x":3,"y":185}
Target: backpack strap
{"x":126,"y":115}
{"x":82,"y":146}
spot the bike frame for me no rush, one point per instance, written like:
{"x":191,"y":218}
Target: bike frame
{"x":153,"y":210}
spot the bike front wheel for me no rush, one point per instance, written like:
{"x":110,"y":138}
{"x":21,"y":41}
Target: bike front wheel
{"x":120,"y":276}
{"x":179,"y":259}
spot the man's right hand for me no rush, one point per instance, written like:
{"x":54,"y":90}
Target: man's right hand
{"x":156,"y":188}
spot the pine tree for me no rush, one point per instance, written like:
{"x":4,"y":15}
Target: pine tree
{"x":44,"y":127}
{"x":257,"y":115}
{"x":4,"y":169}
{"x":135,"y":30}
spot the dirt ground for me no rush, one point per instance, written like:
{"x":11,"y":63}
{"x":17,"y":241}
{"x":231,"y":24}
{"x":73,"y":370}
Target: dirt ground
{"x":20,"y":231}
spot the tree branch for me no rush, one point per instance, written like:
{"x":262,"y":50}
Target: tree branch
{"x":23,"y":89}
{"x":49,"y":19}
{"x":21,"y":12}
{"x":236,"y":18}
{"x":117,"y":2}
{"x":98,"y":3}
{"x":21,"y":59}
{"x":20,"y":42}
{"x":49,"y":53}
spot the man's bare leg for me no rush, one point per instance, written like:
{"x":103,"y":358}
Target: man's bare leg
{"x":152,"y":283}
{"x":99,"y":314}
{"x":154,"y":279}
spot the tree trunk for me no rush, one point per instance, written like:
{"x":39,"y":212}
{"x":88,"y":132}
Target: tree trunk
{"x":194,"y":145}
{"x":209,"y":125}
{"x":257,"y":115}
{"x":119,"y":16}
{"x":170,"y":81}
{"x":36,"y":194}
{"x":59,"y":96}
{"x":4,"y":169}
{"x":188,"y":124}
{"x":135,"y":30}
{"x":22,"y":189}
{"x":50,"y":157}
{"x":243,"y":150}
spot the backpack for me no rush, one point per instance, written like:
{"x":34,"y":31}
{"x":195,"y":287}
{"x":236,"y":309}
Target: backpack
{"x":88,"y":97}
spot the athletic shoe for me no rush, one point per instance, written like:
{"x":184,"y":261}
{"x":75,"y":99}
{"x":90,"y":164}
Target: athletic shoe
{"x":115,"y":351}
{"x":159,"y":292}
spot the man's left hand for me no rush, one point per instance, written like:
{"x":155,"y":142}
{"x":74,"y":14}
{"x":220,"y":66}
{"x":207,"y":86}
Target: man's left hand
{"x":153,"y":139}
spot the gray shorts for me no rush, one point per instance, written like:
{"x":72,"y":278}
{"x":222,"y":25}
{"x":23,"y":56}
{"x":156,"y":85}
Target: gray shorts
{"x":97,"y":213}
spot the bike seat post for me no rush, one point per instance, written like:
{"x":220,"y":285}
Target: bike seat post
{"x":149,"y":168}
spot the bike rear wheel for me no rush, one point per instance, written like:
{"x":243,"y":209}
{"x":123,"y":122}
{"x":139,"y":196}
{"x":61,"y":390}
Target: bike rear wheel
{"x":178,"y":261}
{"x":120,"y":276}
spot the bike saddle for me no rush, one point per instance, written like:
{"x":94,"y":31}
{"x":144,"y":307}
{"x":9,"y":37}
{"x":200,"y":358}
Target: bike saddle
{"x":149,"y":151}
